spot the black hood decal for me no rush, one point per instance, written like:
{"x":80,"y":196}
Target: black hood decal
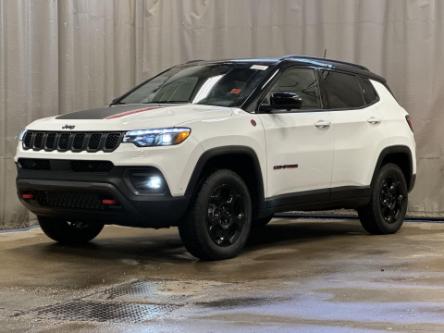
{"x":111,"y":112}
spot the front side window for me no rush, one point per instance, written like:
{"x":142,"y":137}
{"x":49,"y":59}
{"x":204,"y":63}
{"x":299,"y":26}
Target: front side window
{"x":341,"y":91}
{"x":302,"y":82}
{"x":224,"y":84}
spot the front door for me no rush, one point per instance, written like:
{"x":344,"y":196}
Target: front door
{"x":299,"y":141}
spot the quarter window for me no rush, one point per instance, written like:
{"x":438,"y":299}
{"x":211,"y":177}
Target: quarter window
{"x":341,"y":91}
{"x":369,"y":91}
{"x":301,"y":81}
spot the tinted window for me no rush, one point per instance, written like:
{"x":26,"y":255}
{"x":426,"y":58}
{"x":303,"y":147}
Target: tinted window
{"x":341,"y":91}
{"x":225,"y":84}
{"x":301,"y":81}
{"x":369,"y":91}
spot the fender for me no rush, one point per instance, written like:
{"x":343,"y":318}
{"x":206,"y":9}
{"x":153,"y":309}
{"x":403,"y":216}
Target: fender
{"x":198,"y":171}
{"x":405,"y":150}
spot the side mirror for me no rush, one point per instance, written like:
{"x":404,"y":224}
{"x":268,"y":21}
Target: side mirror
{"x":285,"y":101}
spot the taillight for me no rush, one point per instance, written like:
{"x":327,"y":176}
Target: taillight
{"x":409,"y":121}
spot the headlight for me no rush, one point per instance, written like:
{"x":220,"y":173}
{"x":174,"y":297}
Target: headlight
{"x":21,"y":134}
{"x":157,"y":136}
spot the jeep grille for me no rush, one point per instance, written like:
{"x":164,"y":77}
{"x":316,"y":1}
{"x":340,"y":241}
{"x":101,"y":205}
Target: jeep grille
{"x":72,"y":141}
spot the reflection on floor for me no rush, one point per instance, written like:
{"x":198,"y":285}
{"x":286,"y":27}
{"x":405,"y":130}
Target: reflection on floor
{"x":311,"y":275}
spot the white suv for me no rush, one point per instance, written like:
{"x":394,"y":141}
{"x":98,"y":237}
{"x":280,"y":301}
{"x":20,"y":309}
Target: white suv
{"x":217,"y":147}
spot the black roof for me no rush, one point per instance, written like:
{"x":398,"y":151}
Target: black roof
{"x":310,"y":61}
{"x":336,"y":64}
{"x":325,"y":62}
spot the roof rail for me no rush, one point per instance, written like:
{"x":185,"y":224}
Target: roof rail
{"x":326,"y":60}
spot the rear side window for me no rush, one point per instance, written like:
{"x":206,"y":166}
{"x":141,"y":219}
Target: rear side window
{"x":341,"y":91}
{"x":369,"y":92}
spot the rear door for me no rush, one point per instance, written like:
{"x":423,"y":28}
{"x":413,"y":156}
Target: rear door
{"x":356,"y":118}
{"x":299,"y":142}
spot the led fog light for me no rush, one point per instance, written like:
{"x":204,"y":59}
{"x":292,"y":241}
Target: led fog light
{"x":147,"y":181}
{"x":154,"y":183}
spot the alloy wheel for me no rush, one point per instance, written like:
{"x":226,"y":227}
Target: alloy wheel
{"x":391,"y":199}
{"x":226,"y":215}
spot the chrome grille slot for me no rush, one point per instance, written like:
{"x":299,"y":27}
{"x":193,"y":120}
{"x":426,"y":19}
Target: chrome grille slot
{"x":94,"y":142}
{"x":112,"y":141}
{"x":77,"y":143}
{"x":38,"y":141}
{"x":27,"y":140}
{"x":72,"y":141}
{"x":63,"y":142}
{"x":50,"y":141}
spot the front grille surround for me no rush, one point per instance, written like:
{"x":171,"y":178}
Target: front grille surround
{"x":72,"y":141}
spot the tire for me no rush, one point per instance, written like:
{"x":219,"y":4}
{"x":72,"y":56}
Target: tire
{"x":262,"y":222}
{"x":387,"y":208}
{"x":66,"y":232}
{"x":219,"y":221}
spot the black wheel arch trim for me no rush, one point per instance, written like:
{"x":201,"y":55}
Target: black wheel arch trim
{"x":397,"y":149}
{"x":198,"y":171}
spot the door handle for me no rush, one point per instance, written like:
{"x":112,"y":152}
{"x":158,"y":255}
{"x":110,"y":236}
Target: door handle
{"x":323,"y":124}
{"x":374,"y":121}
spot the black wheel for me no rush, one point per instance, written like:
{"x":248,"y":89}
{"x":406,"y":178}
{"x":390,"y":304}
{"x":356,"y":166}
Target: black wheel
{"x":69,"y":232}
{"x":262,"y":222}
{"x":218,"y":223}
{"x":388,"y":205}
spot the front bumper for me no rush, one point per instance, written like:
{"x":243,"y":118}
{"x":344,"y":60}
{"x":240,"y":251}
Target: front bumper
{"x":68,"y":193}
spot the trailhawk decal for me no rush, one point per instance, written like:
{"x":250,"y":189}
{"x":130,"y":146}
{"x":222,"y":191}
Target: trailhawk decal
{"x":286,"y":166}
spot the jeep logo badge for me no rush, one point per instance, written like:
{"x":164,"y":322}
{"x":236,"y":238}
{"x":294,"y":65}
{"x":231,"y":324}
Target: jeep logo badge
{"x":70,"y":127}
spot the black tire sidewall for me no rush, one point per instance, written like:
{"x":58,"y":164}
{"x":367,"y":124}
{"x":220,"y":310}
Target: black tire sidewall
{"x":208,"y":248}
{"x":388,"y":170}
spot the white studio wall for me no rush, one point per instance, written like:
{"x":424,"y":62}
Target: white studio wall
{"x":61,"y":56}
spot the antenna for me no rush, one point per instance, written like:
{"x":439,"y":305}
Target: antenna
{"x":325,"y":53}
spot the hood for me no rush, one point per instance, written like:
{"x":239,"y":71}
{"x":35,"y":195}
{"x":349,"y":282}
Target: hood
{"x":133,"y":116}
{"x":112,"y":112}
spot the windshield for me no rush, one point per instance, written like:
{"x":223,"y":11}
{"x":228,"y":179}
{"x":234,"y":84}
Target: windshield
{"x":224,"y":84}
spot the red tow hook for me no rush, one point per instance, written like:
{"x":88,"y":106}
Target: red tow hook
{"x":109,"y":202}
{"x":27,"y":196}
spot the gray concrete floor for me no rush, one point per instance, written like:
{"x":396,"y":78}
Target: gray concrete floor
{"x":295,"y":275}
